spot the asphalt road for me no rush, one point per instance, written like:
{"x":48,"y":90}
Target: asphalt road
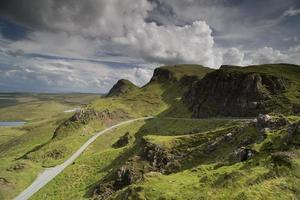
{"x":51,"y":173}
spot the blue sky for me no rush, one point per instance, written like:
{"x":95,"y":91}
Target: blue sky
{"x":86,"y":46}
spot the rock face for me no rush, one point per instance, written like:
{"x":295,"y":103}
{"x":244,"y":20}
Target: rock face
{"x":85,"y":115}
{"x":158,"y":157}
{"x":161,"y":75}
{"x":121,"y":87}
{"x":224,"y":93}
{"x":243,"y":154}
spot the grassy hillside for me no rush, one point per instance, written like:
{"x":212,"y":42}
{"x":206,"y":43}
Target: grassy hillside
{"x":166,"y":157}
{"x":42,"y":113}
{"x":161,"y":96}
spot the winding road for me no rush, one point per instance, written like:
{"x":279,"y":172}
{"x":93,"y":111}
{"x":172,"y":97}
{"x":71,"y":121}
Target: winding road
{"x":51,"y":173}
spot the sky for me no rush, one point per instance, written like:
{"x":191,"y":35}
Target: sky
{"x":86,"y":46}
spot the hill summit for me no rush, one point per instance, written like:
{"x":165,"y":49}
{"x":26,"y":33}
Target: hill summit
{"x":123,"y":86}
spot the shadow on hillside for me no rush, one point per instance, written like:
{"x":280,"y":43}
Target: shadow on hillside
{"x":159,"y":128}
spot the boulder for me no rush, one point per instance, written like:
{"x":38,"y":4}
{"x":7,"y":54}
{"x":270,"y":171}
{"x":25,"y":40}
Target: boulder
{"x":262,"y":121}
{"x":158,"y":157}
{"x":124,"y":177}
{"x":243,"y":154}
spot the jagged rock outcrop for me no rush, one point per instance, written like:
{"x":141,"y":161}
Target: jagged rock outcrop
{"x":243,"y":154}
{"x":265,"y":122}
{"x":123,"y":140}
{"x":158,"y":157}
{"x":224,"y":93}
{"x":84,"y":116}
{"x":152,"y":158}
{"x":125,"y":175}
{"x":121,"y":87}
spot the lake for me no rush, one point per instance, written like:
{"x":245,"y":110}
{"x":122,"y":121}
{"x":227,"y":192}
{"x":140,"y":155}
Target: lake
{"x":19,"y":123}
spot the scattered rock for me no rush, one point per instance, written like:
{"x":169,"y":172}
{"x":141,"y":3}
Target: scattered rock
{"x":228,"y":137}
{"x":16,"y":167}
{"x":86,"y":115}
{"x":56,"y":153}
{"x":212,"y":146}
{"x":159,"y":157}
{"x":124,"y":177}
{"x":266,"y":122}
{"x":262,"y":121}
{"x":103,"y":191}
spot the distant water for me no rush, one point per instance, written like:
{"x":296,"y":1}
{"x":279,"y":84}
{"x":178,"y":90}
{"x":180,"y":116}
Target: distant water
{"x":19,"y":123}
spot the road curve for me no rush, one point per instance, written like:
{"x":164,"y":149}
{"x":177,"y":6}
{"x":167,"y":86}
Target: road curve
{"x":51,"y":173}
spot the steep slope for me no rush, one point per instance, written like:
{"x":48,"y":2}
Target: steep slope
{"x":233,"y":160}
{"x":161,"y":96}
{"x":246,"y":91}
{"x":170,"y":158}
{"x":122,"y":87}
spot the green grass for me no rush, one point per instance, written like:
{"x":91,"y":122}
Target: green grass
{"x":92,"y":165}
{"x":200,"y":175}
{"x":188,"y":70}
{"x":101,"y":157}
{"x":42,"y":113}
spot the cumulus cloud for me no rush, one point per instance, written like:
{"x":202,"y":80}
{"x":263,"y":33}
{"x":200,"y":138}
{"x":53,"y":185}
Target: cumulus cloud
{"x":87,"y":27}
{"x":263,"y":55}
{"x":88,"y":45}
{"x":171,"y":44}
{"x":267,"y":55}
{"x":233,"y":56}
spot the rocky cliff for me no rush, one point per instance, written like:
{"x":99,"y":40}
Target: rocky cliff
{"x":239,"y":92}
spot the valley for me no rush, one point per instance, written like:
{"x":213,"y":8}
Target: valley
{"x":231,"y":133}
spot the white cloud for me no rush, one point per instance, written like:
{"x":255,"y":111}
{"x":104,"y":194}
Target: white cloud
{"x":267,"y":55}
{"x":170,"y":44}
{"x":291,"y":12}
{"x":233,"y":56}
{"x":89,"y":31}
